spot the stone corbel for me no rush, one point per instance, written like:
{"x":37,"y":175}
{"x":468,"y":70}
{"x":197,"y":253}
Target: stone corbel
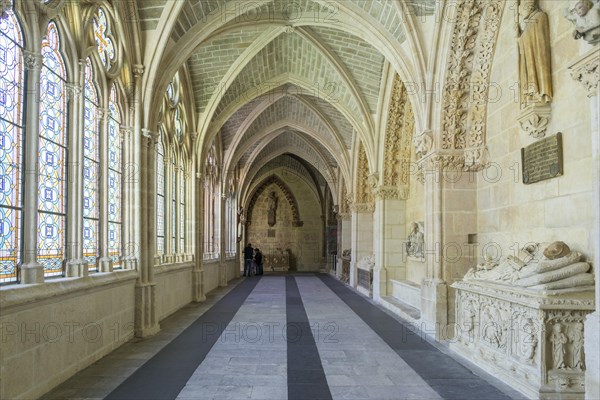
{"x":534,"y":119}
{"x":373,"y":179}
{"x":32,"y":60}
{"x":74,"y":91}
{"x":586,"y":71}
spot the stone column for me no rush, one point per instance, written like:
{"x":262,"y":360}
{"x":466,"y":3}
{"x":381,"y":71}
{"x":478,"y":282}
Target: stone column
{"x":223,"y":267}
{"x":105,"y":262}
{"x":146,"y":322}
{"x":169,"y":196}
{"x":434,"y":291}
{"x":31,"y":270}
{"x":344,"y":239}
{"x":362,"y":237}
{"x":586,"y":70}
{"x":129,"y":256}
{"x":198,"y":271}
{"x":389,"y":232}
{"x":76,"y":266}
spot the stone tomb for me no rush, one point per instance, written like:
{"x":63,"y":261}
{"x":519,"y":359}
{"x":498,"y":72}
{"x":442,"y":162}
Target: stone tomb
{"x":524,"y":329}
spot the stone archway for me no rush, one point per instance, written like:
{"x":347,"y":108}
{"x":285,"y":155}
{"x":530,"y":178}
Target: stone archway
{"x":289,"y":196}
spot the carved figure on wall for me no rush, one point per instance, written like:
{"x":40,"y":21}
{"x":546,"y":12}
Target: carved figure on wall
{"x":488,"y":264}
{"x":469,"y":314}
{"x":415,"y":241}
{"x":492,"y":331}
{"x":558,"y":340}
{"x":585,"y":15}
{"x":272,"y":210}
{"x":530,"y":340}
{"x":577,"y":340}
{"x":535,"y":68}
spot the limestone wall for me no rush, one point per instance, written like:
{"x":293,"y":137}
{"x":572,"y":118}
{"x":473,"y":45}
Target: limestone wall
{"x":51,"y":331}
{"x":510,"y":212}
{"x":171,"y":281}
{"x":211,"y":275}
{"x":305,"y":242}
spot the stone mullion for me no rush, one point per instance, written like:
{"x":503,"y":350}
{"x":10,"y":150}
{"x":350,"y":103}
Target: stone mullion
{"x":31,"y":270}
{"x":151,"y":139}
{"x":169,"y":251}
{"x":176,"y":195}
{"x":128,"y":209}
{"x":74,"y":250}
{"x":104,"y":263}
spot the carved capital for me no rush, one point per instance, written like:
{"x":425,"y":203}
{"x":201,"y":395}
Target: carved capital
{"x":587,"y":72}
{"x":5,"y":7}
{"x":32,"y":60}
{"x":362,"y":208}
{"x":74,"y":91}
{"x":439,"y":161}
{"x":126,"y":131}
{"x":534,"y":120}
{"x":373,"y":179}
{"x":386,"y":192}
{"x":476,"y":159}
{"x":103,"y":114}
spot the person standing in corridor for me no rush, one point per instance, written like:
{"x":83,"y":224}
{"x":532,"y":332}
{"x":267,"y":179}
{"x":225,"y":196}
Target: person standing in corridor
{"x":258,"y":260}
{"x":248,"y":256}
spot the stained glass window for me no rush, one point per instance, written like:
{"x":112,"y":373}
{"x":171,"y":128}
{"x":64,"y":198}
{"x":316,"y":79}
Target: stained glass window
{"x":52,"y":156}
{"x":104,"y":43}
{"x":11,"y":140}
{"x":114,"y":180}
{"x":182,"y":223}
{"x":160,"y":197}
{"x":91,"y":169}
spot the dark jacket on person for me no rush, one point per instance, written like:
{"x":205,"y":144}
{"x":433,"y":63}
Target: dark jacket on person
{"x":248,"y":252}
{"x":258,"y":258}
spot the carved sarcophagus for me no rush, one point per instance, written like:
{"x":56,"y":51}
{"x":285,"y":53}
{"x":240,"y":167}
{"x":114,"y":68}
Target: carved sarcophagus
{"x":534,"y":342}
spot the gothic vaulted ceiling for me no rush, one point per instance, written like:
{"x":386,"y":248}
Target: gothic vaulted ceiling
{"x":273,"y":77}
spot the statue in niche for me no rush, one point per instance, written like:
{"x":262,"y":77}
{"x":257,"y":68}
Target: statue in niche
{"x":469,"y":314}
{"x":415,"y":241}
{"x":272,"y":210}
{"x":577,"y":340}
{"x":585,"y":15}
{"x":535,"y":68}
{"x":558,"y":340}
{"x":530,"y":341}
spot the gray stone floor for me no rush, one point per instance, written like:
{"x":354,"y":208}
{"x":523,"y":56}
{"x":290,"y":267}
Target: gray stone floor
{"x":249,"y":361}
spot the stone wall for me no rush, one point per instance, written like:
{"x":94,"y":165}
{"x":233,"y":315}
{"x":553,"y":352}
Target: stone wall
{"x":557,"y":209}
{"x":51,"y":331}
{"x":170,"y":279}
{"x":305,"y":242}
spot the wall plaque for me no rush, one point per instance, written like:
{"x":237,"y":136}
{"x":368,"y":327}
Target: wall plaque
{"x":542,"y":160}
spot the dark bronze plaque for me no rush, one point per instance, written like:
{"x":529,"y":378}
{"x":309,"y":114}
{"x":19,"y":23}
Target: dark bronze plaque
{"x":542,"y":160}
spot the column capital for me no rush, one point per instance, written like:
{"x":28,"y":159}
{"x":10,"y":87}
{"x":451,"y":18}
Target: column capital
{"x":125,"y":130}
{"x":586,"y":71}
{"x":362,"y":208}
{"x":383,"y":192}
{"x":103,"y":114}
{"x":32,"y":60}
{"x":74,"y":91}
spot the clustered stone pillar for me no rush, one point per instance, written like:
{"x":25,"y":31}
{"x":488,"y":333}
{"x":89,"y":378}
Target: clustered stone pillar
{"x":198,"y":271}
{"x":362,"y":237}
{"x":388,"y":236}
{"x":31,"y":270}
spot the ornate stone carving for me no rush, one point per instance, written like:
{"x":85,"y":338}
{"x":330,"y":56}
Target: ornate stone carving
{"x":423,"y":144}
{"x":386,"y":192}
{"x":533,"y":341}
{"x":289,"y":196}
{"x":138,"y":70}
{"x":32,"y":60}
{"x":362,"y":207}
{"x":534,"y":120}
{"x":416,"y":240}
{"x":393,"y":132}
{"x":469,"y":67}
{"x":587,"y":72}
{"x":533,"y":269}
{"x":363,"y":183}
{"x":585,"y":15}
{"x":74,"y":91}
{"x":476,"y":159}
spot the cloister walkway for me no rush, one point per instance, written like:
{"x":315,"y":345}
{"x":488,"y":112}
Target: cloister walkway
{"x":297,"y":336}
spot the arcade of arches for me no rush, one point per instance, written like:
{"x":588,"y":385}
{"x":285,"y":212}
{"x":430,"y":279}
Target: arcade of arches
{"x":388,"y":145}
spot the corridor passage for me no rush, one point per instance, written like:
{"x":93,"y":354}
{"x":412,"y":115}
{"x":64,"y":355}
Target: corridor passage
{"x":282,"y":337}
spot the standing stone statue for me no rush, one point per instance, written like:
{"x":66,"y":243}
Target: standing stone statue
{"x":577,"y":340}
{"x":535,"y":68}
{"x":415,"y":242}
{"x":558,"y":340}
{"x":272,"y":211}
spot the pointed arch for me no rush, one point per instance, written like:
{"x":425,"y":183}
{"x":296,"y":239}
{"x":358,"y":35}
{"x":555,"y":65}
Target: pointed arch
{"x":289,"y":196}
